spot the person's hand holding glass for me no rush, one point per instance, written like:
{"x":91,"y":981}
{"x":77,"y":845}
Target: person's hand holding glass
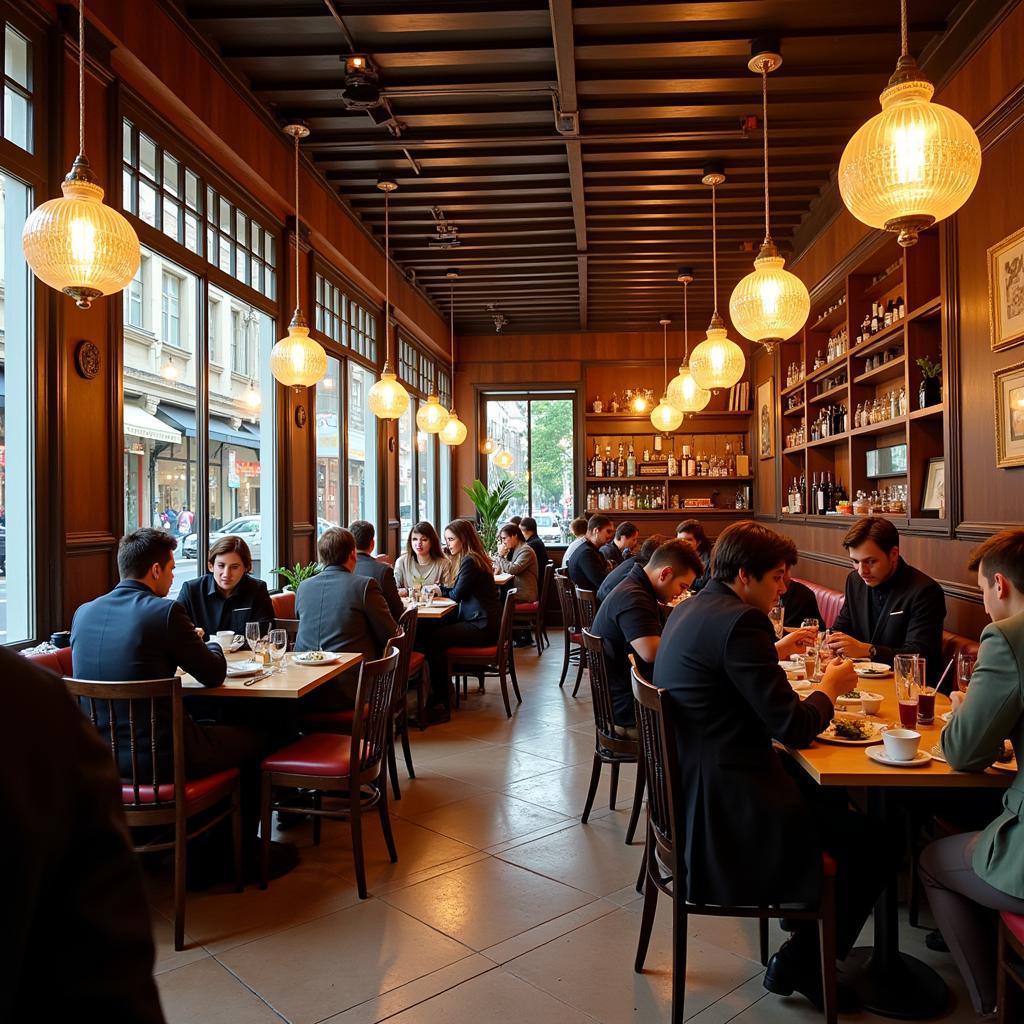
{"x":278,"y":647}
{"x":776,"y":614}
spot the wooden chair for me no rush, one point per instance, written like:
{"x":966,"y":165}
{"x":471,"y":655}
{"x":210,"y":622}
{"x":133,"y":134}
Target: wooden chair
{"x":530,"y":614}
{"x":586,"y":603}
{"x":150,"y":799}
{"x":354,"y":766}
{"x":609,"y":746}
{"x":664,"y":851}
{"x":498,"y":660}
{"x":572,"y":649}
{"x":1010,"y":969}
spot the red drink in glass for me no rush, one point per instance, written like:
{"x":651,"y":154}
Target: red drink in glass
{"x":908,"y":713}
{"x":926,"y":707}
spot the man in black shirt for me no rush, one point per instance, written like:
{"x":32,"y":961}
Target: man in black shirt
{"x":798,"y":603}
{"x":621,"y":571}
{"x":529,"y":527}
{"x":891,"y":608}
{"x":587,"y":567}
{"x":629,"y":620}
{"x":617,"y":550}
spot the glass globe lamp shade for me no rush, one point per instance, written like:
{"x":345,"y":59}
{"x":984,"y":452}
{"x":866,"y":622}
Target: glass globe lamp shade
{"x":454,"y":431}
{"x":298,"y":360}
{"x":77,"y":244}
{"x":770,"y":304}
{"x":717,"y":362}
{"x":639,"y":403}
{"x":684,"y":393}
{"x":387,"y":399}
{"x":665,"y":417}
{"x":503,"y":460}
{"x":432,"y":417}
{"x":911,"y":165}
{"x":488,"y":446}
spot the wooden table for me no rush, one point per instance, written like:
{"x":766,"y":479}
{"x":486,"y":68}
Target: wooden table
{"x":891,"y":983}
{"x":292,"y":682}
{"x":440,"y":607}
{"x":501,"y":578}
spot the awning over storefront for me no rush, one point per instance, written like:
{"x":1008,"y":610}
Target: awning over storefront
{"x":220,"y":430}
{"x":139,"y":423}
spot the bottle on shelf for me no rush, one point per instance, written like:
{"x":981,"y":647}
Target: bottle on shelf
{"x":901,"y":309}
{"x":598,"y":461}
{"x":631,"y":461}
{"x":598,"y":406}
{"x":647,"y":455}
{"x":673,"y":466}
{"x":609,"y":465}
{"x":620,"y":463}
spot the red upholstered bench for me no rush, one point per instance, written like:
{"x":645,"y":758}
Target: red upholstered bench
{"x":58,"y":661}
{"x":830,"y":602}
{"x":284,"y":604}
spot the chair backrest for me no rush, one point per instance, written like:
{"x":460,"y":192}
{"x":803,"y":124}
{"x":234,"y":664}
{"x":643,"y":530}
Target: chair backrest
{"x":386,"y":559}
{"x":508,"y":614}
{"x":586,"y":601}
{"x":545,"y":586}
{"x":284,"y":604}
{"x":601,"y":694}
{"x":291,"y":627}
{"x":402,"y":641}
{"x":58,"y":661}
{"x":661,"y":768}
{"x":375,"y":701}
{"x":566,"y":600}
{"x":129,"y":706}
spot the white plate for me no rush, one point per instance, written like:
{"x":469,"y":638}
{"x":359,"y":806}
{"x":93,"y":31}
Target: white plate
{"x":323,"y":658}
{"x":919,"y":760}
{"x":237,"y":669}
{"x":948,"y":716}
{"x":829,"y":736}
{"x":237,"y":644}
{"x":845,"y":703}
{"x":872,"y":668}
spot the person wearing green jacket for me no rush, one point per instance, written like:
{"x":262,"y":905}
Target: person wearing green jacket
{"x":972,"y":876}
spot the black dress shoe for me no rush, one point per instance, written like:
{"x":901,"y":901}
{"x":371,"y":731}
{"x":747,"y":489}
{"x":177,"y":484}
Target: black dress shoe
{"x":788,"y":971}
{"x":934,"y":941}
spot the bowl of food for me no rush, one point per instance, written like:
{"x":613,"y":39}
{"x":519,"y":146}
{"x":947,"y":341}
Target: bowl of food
{"x":860,"y":700}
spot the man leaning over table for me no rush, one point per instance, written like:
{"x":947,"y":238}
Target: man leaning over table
{"x":891,"y":608}
{"x":134,"y":632}
{"x":586,"y":566}
{"x":972,"y":876}
{"x":756,"y":826}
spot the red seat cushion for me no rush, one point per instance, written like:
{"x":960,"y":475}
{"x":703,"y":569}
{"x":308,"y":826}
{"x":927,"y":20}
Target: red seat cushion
{"x":830,"y":602}
{"x":954,"y":643}
{"x":416,"y":661}
{"x":284,"y":604}
{"x":472,"y":652}
{"x":828,"y":865}
{"x":320,"y":753}
{"x":58,"y":661}
{"x":1014,"y":924}
{"x":195,"y":789}
{"x":329,"y":721}
{"x":522,"y":607}
{"x":576,"y":638}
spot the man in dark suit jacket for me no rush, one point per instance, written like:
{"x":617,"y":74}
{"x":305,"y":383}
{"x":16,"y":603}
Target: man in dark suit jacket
{"x":753,"y":835}
{"x":622,"y":570}
{"x":367,"y":565}
{"x":339,"y":610}
{"x":79,"y":938}
{"x":529,"y":527}
{"x":891,"y":608}
{"x":587,"y":567}
{"x":620,"y":547}
{"x":798,"y":603}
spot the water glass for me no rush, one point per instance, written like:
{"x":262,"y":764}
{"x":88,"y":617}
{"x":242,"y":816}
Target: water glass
{"x":812,"y":624}
{"x":777,"y":615}
{"x":965,"y":662}
{"x":909,"y":672}
{"x":278,"y":647}
{"x":253,"y":633}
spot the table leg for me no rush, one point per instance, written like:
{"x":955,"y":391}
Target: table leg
{"x":888,"y":982}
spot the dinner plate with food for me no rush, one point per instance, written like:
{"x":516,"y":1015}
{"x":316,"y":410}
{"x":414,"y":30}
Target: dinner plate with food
{"x":316,"y":658}
{"x":868,"y":669}
{"x":852,"y":732}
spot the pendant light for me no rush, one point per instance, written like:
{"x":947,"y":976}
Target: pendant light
{"x":454,"y":432}
{"x":683,"y":391}
{"x":503,"y":460}
{"x":387,"y":399}
{"x":717,"y":362}
{"x":665,"y":417}
{"x":297,"y":360}
{"x":769,"y":305}
{"x":77,"y":244}
{"x":913,"y":164}
{"x":488,"y":446}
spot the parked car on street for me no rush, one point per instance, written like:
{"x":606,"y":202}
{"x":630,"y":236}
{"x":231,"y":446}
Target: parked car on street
{"x":248,"y":528}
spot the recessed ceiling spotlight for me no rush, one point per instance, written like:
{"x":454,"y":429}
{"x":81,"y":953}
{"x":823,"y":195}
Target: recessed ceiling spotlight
{"x":362,"y":83}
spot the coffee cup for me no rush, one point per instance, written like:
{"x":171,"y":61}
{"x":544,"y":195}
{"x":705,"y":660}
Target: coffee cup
{"x":901,"y":744}
{"x":870,"y":705}
{"x":224,"y":637}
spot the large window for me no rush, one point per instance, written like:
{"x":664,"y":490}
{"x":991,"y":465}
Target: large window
{"x":330,"y":485}
{"x":407,"y":511}
{"x":345,"y":319}
{"x":17,"y":374}
{"x":361,"y":453}
{"x":17,"y":109}
{"x":536,"y":431}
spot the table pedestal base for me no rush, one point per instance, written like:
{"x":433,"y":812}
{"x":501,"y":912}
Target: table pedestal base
{"x":903,"y":988}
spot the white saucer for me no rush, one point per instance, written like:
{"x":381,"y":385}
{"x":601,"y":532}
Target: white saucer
{"x":872,"y":668}
{"x":326,"y":658}
{"x":920,"y":759}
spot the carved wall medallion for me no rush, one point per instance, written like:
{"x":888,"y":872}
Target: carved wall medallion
{"x":87,"y":360}
{"x":300,"y":416}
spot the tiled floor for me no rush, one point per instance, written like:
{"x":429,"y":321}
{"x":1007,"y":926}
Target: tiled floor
{"x":502,"y":906}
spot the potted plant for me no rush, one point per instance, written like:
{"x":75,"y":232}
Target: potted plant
{"x":490,"y":507}
{"x":293,"y":577}
{"x":930,"y":391}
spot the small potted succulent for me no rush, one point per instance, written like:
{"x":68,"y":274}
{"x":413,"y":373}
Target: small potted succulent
{"x":930,"y":391}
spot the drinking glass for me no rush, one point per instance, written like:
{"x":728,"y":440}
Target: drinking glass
{"x":278,"y":647}
{"x":777,"y":615}
{"x":965,"y":662}
{"x":909,"y":675}
{"x":812,"y":624}
{"x":253,"y":633}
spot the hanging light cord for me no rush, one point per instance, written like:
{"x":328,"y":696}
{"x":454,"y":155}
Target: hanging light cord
{"x":81,"y":78}
{"x":714,"y":244}
{"x":387,"y":277}
{"x":764,"y":132}
{"x":904,"y":45}
{"x":686,"y":323}
{"x":298,"y":302}
{"x":451,"y":318}
{"x":665,"y":368}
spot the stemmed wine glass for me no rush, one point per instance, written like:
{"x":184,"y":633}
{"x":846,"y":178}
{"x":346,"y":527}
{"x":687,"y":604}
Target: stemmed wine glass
{"x":965,"y":662}
{"x":253,"y":637}
{"x":278,"y":647}
{"x":777,"y":615}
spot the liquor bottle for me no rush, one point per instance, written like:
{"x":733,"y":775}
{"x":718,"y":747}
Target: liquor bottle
{"x":609,"y":466}
{"x":631,"y":499}
{"x":819,"y":496}
{"x":631,"y":462}
{"x":691,"y":463}
{"x":830,"y":495}
{"x":901,"y":309}
{"x":673,"y":466}
{"x":657,"y":442}
{"x":598,"y":461}
{"x":874,"y":318}
{"x":799,"y":496}
{"x":865,"y":326}
{"x":647,"y":455}
{"x":620,"y":463}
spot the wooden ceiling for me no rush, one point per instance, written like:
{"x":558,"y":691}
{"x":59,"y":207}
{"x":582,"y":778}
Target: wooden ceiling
{"x":561,"y":231}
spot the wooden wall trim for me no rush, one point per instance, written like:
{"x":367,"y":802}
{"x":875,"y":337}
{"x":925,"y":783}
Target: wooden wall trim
{"x":95,"y":540}
{"x":979,"y":532}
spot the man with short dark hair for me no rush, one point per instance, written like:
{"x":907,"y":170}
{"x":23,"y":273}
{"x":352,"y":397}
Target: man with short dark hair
{"x":367,"y":565}
{"x":586,"y":566}
{"x":529,"y":527}
{"x":891,"y":608}
{"x":630,"y":620}
{"x":756,"y":829}
{"x":621,"y":571}
{"x":620,"y":547}
{"x":341,"y":610}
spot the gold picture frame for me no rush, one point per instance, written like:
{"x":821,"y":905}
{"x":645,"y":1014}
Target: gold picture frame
{"x":1006,"y":291}
{"x":765,"y":414}
{"x":1009,"y":403}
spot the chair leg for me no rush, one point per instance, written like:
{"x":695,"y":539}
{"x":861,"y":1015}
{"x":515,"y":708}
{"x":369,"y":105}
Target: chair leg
{"x":515,"y":681}
{"x":538,"y":634}
{"x":180,"y":865}
{"x":504,"y":692}
{"x":579,"y":675}
{"x":827,"y":941}
{"x":392,"y":769}
{"x":595,"y":778}
{"x":407,"y":751}
{"x":456,"y":684}
{"x":614,"y":785}
{"x":236,"y":835}
{"x":643,"y":863}
{"x":385,"y":822}
{"x":638,"y":801}
{"x":1002,"y":989}
{"x":650,"y":907}
{"x":318,"y":821}
{"x":356,"y":825}
{"x":421,"y":700}
{"x":265,"y":792}
{"x":565,"y":660}
{"x":762,"y":936}
{"x":679,"y":923}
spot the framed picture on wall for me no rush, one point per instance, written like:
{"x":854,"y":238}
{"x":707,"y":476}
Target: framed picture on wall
{"x":766,"y":419}
{"x":1009,"y":395}
{"x":934,"y":497}
{"x":1006,"y":291}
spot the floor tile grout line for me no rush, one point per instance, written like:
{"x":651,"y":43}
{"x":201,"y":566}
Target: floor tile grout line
{"x":241,"y":981}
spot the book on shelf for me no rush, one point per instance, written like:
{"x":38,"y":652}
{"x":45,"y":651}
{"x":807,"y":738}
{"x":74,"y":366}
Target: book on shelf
{"x":739,"y":396}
